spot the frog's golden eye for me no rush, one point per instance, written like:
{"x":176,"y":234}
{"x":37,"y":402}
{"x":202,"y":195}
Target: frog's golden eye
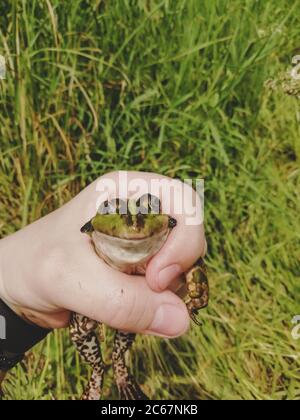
{"x":148,"y":204}
{"x":106,"y":208}
{"x":115,"y":206}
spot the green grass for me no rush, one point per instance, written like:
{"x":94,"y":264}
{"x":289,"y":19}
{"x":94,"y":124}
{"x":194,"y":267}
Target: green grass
{"x":176,"y":88}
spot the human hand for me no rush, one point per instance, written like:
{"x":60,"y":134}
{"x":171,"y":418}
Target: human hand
{"x":49,"y":269}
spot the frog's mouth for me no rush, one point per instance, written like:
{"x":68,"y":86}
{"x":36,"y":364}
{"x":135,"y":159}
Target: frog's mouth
{"x":138,"y":229}
{"x":128,"y":255}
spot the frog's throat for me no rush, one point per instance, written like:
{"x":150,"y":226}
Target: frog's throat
{"x":126,"y":255}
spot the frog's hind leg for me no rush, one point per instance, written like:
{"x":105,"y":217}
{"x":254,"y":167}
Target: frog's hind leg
{"x":84,"y":337}
{"x":127,"y":386}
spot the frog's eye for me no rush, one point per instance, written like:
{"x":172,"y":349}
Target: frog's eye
{"x":115,"y":206}
{"x":148,"y":204}
{"x":106,"y":208}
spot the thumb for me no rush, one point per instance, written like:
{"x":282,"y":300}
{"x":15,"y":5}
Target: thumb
{"x":183,"y":247}
{"x":121,"y":301}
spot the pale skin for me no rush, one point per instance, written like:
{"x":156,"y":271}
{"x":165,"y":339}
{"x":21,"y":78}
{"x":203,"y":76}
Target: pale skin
{"x":49,"y":269}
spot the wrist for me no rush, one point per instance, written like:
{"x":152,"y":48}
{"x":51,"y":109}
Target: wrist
{"x":2,"y":284}
{"x":18,"y":338}
{"x":18,"y":291}
{"x":5,"y":261}
{"x":6,"y":276}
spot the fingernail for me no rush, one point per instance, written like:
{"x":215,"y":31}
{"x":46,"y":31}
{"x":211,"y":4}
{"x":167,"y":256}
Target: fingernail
{"x":169,"y":321}
{"x":167,"y":275}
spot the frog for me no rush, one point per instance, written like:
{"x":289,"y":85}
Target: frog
{"x":126,"y":234}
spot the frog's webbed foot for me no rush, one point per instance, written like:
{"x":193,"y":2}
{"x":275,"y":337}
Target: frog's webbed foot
{"x":83,"y":335}
{"x":198,"y":290}
{"x":127,"y":386}
{"x":130,"y":390}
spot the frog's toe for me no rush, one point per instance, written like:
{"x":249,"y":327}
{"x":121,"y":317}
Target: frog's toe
{"x":194,"y":318}
{"x":130,"y":390}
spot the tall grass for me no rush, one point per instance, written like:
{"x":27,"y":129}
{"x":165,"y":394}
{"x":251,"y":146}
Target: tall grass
{"x":176,"y":88}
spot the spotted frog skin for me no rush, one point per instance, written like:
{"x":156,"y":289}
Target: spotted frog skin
{"x":126,"y":234}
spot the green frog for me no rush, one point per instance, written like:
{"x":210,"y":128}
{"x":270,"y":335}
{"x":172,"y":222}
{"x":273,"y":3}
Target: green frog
{"x":126,"y":234}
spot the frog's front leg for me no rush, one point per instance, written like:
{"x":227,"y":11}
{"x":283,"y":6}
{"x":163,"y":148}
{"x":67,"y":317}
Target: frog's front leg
{"x":197,"y":289}
{"x":127,"y":386}
{"x":84,"y":337}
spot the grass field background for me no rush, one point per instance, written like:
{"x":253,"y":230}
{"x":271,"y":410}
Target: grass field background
{"x":175,"y":87}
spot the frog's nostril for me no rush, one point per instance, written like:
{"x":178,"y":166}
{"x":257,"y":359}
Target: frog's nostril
{"x":172,"y":222}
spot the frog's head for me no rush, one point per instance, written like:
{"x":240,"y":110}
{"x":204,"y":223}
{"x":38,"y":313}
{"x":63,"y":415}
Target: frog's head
{"x":126,"y":233}
{"x":130,"y":219}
